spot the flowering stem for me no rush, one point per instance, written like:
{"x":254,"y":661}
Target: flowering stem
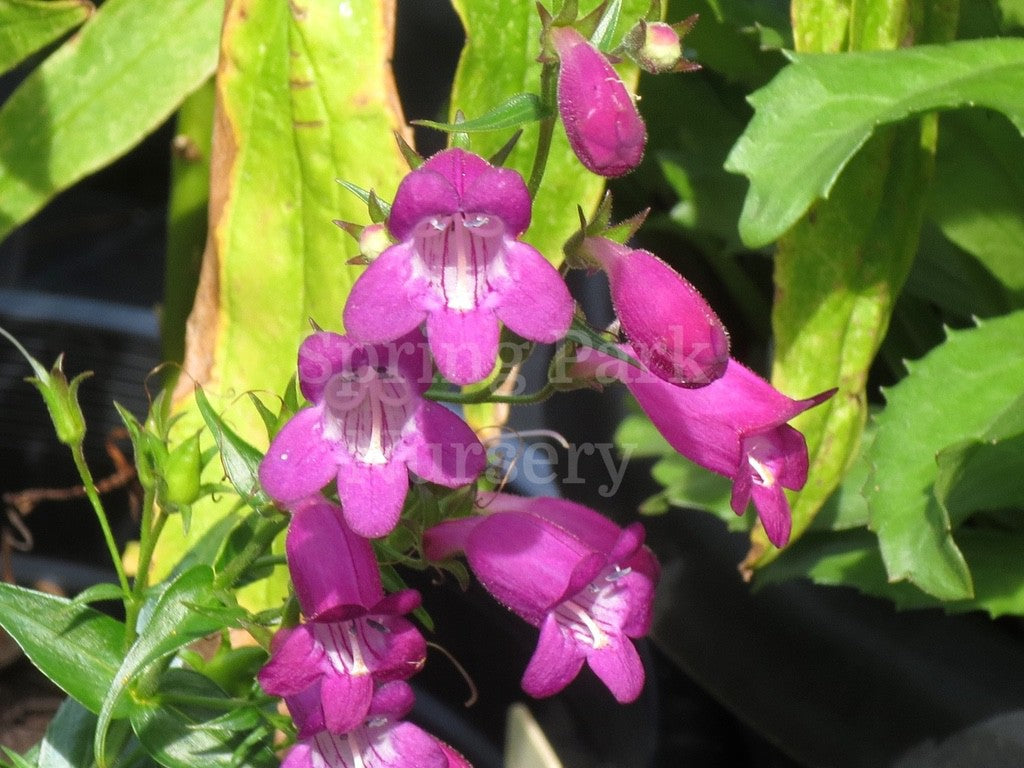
{"x":488,"y":396}
{"x":101,"y":515}
{"x":548,"y":82}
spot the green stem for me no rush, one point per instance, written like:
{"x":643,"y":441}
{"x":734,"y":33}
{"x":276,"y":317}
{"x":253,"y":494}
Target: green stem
{"x":101,"y":515}
{"x":252,"y":551}
{"x":548,"y":93}
{"x":488,"y":396}
{"x":151,"y":526}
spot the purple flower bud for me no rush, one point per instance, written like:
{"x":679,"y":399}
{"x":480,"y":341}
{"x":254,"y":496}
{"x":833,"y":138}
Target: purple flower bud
{"x":735,"y":426}
{"x":602,"y":123}
{"x":587,"y":584}
{"x":672,"y":329}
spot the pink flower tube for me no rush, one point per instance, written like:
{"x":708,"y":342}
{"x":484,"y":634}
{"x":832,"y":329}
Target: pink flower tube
{"x":735,"y":426}
{"x":561,"y":566}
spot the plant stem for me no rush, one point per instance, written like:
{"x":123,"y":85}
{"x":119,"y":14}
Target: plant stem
{"x":489,"y":396}
{"x":548,"y":83}
{"x":150,"y":528}
{"x":101,"y":515}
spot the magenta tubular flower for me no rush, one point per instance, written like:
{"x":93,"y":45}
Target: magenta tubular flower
{"x":458,"y":265}
{"x":736,"y":426}
{"x":602,"y":123}
{"x":368,"y":425}
{"x":382,"y":740}
{"x":356,"y":637}
{"x":672,"y":329}
{"x":565,"y":568}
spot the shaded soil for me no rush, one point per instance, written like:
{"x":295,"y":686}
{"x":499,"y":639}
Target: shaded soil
{"x":27,"y":703}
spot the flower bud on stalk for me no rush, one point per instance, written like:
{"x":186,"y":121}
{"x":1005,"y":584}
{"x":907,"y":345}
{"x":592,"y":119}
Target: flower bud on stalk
{"x":657,"y":47}
{"x":604,"y":128}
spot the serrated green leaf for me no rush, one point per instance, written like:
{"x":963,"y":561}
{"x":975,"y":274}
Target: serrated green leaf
{"x":983,"y":474}
{"x":179,"y":734}
{"x":173,"y":622}
{"x":978,"y":196}
{"x":815,"y":115}
{"x":28,"y":25}
{"x":516,"y":111}
{"x":133,"y":60}
{"x":949,"y":396}
{"x":67,"y":742}
{"x":75,"y":646}
{"x":851,"y":558}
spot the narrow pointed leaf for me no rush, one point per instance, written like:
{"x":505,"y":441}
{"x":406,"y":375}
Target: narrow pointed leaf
{"x":514,"y":112}
{"x":75,"y":646}
{"x":67,"y":742}
{"x":174,"y":621}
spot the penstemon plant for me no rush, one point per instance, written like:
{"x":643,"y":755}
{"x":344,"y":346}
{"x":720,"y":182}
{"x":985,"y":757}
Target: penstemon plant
{"x":283,"y":533}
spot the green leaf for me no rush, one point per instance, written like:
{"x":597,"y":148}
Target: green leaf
{"x":241,"y":460}
{"x":847,"y":507}
{"x":28,"y":25}
{"x":98,"y":593}
{"x":180,"y":733}
{"x":638,"y":435}
{"x":983,"y":474}
{"x":16,"y":760}
{"x":305,"y":96}
{"x":851,"y":558}
{"x":978,"y":196}
{"x":174,"y":620}
{"x":949,"y":396}
{"x":75,"y":646}
{"x":133,"y":60}
{"x":815,"y":115}
{"x":837,"y":274}
{"x":67,"y":742}
{"x":689,"y":486}
{"x":515,"y":111}
{"x":604,"y":32}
